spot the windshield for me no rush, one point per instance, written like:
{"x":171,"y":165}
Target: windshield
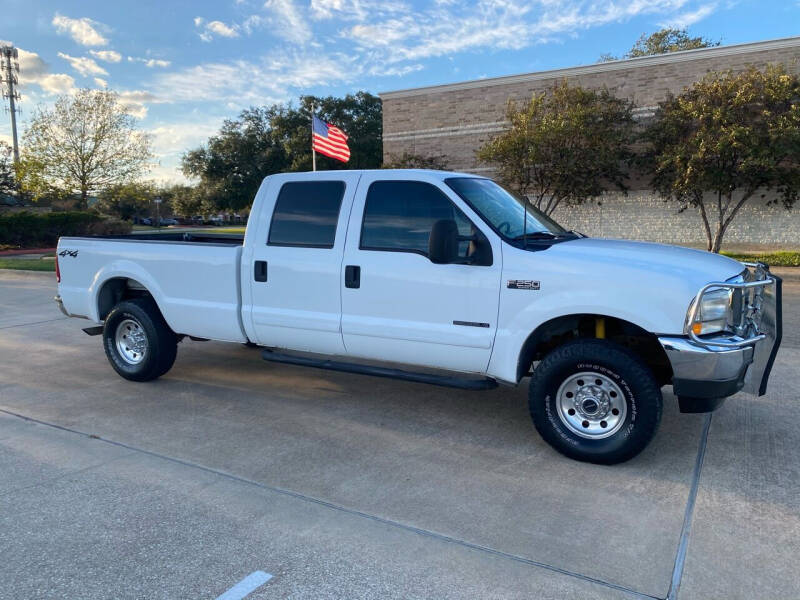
{"x":502,"y":209}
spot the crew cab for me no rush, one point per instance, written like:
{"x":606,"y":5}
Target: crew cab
{"x":445,"y":278}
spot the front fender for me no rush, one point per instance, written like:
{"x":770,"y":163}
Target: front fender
{"x":521,"y":316}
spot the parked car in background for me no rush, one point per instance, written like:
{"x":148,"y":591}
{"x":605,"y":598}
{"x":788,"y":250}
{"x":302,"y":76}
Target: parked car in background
{"x":167,"y":221}
{"x":146,"y":221}
{"x":444,"y":271}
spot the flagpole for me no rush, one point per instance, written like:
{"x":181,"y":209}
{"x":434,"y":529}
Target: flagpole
{"x":313,"y":153}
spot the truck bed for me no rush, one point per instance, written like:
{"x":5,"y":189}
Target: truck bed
{"x":195,"y":279}
{"x":234,"y":239}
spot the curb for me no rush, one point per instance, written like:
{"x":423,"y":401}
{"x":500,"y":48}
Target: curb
{"x":27,"y":251}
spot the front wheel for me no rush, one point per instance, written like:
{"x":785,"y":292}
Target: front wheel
{"x":595,"y":401}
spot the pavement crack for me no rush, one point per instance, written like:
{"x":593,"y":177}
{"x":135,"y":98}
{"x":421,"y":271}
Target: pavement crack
{"x":683,"y":544}
{"x":34,"y":323}
{"x":351,"y":511}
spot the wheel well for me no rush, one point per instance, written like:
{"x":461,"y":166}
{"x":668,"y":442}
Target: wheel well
{"x":116,"y":290}
{"x":555,"y":332}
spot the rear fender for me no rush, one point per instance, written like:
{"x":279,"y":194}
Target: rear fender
{"x":125,"y":269}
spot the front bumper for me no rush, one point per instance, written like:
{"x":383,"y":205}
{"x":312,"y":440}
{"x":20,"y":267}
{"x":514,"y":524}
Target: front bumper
{"x":709,"y":369}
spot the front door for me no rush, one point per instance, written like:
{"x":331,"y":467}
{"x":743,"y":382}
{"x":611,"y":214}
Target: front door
{"x":404,"y":308}
{"x":295,"y":266}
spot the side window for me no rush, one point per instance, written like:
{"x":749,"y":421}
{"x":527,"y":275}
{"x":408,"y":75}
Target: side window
{"x":399,"y":215}
{"x":306,"y":214}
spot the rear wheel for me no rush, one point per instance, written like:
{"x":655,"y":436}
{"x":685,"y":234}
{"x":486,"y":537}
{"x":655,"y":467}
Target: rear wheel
{"x":138,"y":342}
{"x":595,"y":401}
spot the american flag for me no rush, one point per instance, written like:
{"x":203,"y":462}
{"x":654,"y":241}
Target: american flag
{"x":329,"y":140}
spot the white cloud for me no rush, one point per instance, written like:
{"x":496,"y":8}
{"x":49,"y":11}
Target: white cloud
{"x":690,"y":18}
{"x":34,"y":71}
{"x":100,"y":82}
{"x":445,"y":28}
{"x":150,"y":62}
{"x":136,"y":102}
{"x":111,"y":56}
{"x":208,"y":29}
{"x":57,"y":83}
{"x":394,"y":71}
{"x":243,"y":82}
{"x":81,"y":30}
{"x":171,"y":140}
{"x":356,"y":10}
{"x":287,"y":21}
{"x":222,"y":29}
{"x":84,"y":65}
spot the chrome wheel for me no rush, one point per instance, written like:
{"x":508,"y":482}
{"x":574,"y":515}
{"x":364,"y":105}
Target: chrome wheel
{"x":131,"y":341}
{"x":591,"y":405}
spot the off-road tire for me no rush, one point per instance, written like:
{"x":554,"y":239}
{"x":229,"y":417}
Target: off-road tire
{"x":621,"y":369}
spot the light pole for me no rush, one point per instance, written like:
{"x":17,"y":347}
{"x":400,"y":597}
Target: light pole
{"x":158,"y":201}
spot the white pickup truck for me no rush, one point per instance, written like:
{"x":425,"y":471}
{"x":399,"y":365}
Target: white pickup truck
{"x":454,"y":277}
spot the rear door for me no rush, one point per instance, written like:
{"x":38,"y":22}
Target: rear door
{"x":295,"y":263}
{"x":403,"y":307}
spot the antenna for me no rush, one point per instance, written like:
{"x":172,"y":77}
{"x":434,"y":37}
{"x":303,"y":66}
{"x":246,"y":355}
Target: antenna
{"x":9,"y":72}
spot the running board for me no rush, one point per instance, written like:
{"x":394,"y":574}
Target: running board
{"x":332,"y":365}
{"x":97,"y":330}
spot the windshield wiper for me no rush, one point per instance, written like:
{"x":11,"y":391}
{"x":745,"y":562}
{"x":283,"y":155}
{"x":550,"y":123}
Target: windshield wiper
{"x":536,"y":235}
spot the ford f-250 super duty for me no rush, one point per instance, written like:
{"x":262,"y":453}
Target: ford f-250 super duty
{"x":454,"y":277}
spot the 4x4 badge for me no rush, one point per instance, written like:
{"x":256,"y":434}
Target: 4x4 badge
{"x":523,"y":284}
{"x":72,"y":253}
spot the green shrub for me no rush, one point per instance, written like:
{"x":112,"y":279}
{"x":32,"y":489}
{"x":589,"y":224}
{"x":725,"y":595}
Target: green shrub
{"x":31,"y":230}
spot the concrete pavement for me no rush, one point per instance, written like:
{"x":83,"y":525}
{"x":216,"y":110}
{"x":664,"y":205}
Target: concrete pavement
{"x":346,"y":486}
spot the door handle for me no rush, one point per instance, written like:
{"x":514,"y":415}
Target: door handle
{"x":260,"y":270}
{"x":352,"y":276}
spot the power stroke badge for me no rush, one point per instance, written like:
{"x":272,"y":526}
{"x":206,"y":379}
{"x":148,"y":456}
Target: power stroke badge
{"x":523,"y":284}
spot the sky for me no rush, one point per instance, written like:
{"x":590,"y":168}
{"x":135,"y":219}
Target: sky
{"x":184,"y":67}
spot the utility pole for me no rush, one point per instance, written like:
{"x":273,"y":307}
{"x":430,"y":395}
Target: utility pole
{"x":8,"y":75}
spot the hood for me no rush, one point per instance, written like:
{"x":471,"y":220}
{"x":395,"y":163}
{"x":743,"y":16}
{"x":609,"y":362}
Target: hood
{"x":695,"y":267}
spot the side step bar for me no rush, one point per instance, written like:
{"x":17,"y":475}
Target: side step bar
{"x":332,"y":365}
{"x":97,"y":330}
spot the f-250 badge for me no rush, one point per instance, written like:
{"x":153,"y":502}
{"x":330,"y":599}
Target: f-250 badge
{"x":523,"y":284}
{"x":72,"y":253}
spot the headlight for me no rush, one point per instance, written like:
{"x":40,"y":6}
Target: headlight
{"x":713,"y":315}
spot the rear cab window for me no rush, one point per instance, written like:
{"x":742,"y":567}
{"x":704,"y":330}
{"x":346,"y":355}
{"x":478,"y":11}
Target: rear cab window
{"x":306,"y":214}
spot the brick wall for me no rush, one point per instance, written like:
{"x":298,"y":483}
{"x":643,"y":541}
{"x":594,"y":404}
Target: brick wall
{"x":455,"y":120}
{"x":642,"y":215}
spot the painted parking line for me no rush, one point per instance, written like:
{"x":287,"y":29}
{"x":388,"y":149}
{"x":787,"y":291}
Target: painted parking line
{"x":246,"y":586}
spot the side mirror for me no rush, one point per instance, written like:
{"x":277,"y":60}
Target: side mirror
{"x":443,"y":242}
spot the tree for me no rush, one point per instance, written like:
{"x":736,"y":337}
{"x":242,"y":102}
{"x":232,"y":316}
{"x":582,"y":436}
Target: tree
{"x":568,"y":145}
{"x":83,"y":144}
{"x":8,"y":181}
{"x":727,"y":139}
{"x":409,"y":160}
{"x":663,"y":41}
{"x":275,"y":139}
{"x":126,"y":200}
{"x":189,"y":201}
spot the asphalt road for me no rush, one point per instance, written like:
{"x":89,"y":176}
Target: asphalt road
{"x":345,"y":486}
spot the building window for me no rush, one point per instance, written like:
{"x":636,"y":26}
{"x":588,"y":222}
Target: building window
{"x":306,"y":214}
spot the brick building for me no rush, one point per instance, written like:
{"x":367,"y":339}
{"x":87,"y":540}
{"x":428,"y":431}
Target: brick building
{"x":455,"y":119}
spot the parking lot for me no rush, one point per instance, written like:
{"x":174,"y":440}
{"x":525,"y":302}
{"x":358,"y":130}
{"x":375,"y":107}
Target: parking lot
{"x":346,"y":486}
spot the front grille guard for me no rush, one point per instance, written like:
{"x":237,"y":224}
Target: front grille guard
{"x":754,"y":307}
{"x":761,"y":321}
